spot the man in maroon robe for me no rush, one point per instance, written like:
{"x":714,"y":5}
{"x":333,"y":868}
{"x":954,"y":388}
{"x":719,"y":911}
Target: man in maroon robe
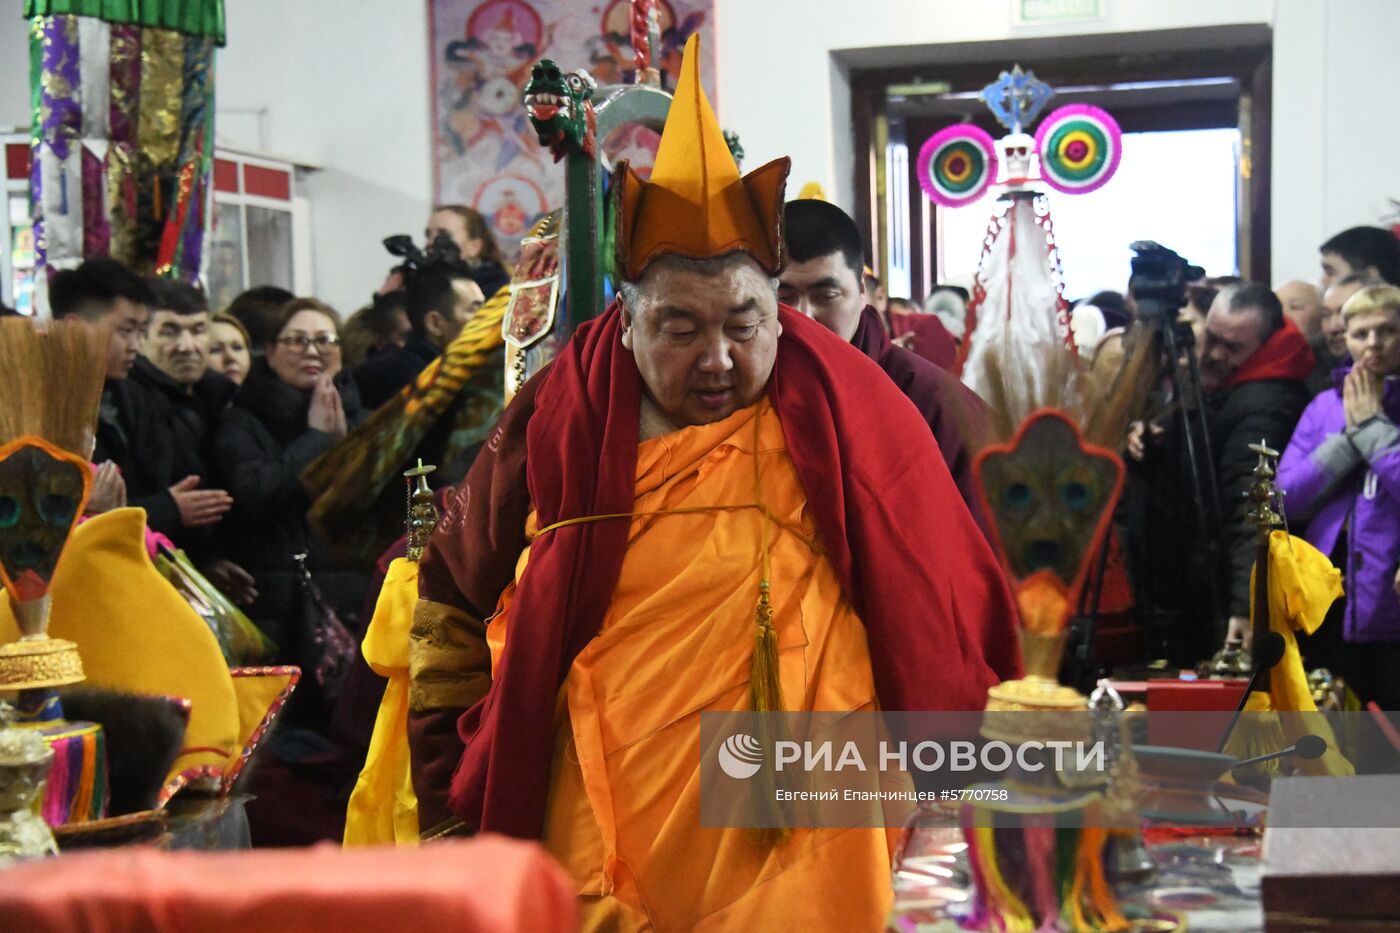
{"x":821,"y":277}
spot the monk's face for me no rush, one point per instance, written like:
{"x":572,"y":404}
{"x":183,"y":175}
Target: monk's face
{"x":705,"y":336}
{"x":827,"y":289}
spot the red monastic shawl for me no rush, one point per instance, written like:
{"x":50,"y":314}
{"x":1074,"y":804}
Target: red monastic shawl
{"x":928,"y":589}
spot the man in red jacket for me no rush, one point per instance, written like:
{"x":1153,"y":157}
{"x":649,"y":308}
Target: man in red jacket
{"x":1254,"y":363}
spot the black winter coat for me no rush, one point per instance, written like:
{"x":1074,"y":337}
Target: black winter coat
{"x":490,"y":276}
{"x":262,"y":443}
{"x":157,"y":435}
{"x":383,"y":375}
{"x":189,"y":419}
{"x":1265,"y":411}
{"x":132,"y":432}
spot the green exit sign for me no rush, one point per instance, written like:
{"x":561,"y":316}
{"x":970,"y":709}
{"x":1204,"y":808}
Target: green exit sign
{"x":1027,"y":12}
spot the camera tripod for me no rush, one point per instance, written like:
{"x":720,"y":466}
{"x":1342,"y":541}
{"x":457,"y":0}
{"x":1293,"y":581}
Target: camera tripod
{"x":1173,"y":345}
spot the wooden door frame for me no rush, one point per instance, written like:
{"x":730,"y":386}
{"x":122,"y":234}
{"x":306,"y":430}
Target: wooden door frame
{"x":1179,"y":55}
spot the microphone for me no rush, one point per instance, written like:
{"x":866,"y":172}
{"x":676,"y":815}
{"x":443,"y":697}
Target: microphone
{"x":1268,"y":651}
{"x":1307,"y":747}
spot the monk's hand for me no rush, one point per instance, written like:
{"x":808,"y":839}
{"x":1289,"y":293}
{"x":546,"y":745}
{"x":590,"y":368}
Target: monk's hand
{"x":1361,"y":397}
{"x":1397,"y":582}
{"x":904,"y":341}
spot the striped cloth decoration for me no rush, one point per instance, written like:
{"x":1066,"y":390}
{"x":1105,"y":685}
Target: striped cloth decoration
{"x":76,"y":790}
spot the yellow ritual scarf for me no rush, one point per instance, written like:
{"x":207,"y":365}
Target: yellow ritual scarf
{"x":383,"y":809}
{"x":1303,"y":584}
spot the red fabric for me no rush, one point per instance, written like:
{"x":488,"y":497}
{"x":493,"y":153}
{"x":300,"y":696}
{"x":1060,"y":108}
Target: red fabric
{"x":1164,"y":835}
{"x":935,"y":605}
{"x":1285,"y":355}
{"x":952,"y":410}
{"x":485,"y":884}
{"x":931,"y":339}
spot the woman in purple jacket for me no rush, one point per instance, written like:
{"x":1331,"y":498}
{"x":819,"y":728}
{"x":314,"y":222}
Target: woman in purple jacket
{"x":1341,"y":473}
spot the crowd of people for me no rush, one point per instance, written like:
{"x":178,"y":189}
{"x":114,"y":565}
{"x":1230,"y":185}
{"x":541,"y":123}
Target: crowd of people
{"x":1308,"y":370}
{"x":210,"y":418}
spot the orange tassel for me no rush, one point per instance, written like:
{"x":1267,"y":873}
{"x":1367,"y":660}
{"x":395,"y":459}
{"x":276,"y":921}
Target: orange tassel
{"x":1090,"y":889}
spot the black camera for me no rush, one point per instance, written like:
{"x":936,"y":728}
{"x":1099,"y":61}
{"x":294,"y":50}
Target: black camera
{"x":1159,"y":280}
{"x":442,"y":252}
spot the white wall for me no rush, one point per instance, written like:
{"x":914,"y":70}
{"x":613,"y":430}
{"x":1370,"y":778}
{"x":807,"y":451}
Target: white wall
{"x":343,"y":85}
{"x":1336,"y":132}
{"x":1335,"y":72}
{"x":14,"y":68}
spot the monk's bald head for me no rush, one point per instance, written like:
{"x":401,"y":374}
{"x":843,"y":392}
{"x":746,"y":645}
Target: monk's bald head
{"x":704,"y":334}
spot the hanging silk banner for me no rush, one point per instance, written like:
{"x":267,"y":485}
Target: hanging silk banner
{"x":125,"y":91}
{"x":182,"y":240}
{"x":94,"y":45}
{"x":122,"y":136}
{"x":58,"y":154}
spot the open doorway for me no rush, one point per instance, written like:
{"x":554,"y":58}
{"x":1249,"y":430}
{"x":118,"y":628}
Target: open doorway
{"x":1194,"y":108}
{"x":1177,"y":187}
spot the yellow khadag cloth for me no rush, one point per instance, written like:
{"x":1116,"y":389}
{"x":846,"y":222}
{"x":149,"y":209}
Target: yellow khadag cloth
{"x":383,"y":809}
{"x":1303,"y":585}
{"x":696,"y":205}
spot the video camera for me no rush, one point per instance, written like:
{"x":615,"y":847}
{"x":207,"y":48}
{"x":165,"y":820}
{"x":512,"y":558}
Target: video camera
{"x":442,"y":252}
{"x":1159,"y":280}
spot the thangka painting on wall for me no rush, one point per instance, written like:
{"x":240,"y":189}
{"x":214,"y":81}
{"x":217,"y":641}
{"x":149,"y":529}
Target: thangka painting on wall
{"x":486,"y":156}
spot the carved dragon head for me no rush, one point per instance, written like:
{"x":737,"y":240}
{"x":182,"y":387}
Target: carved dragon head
{"x":560,"y":108}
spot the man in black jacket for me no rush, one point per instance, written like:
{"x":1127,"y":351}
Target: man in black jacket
{"x":440,"y":300}
{"x":1254,"y":363}
{"x":178,"y":384}
{"x":133,"y":428}
{"x":175,"y":366}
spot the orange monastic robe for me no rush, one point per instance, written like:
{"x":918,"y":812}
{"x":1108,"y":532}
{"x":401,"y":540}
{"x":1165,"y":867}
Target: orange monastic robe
{"x":677,"y":640}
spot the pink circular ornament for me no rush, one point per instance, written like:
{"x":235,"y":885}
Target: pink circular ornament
{"x":1080,"y":147}
{"x":956,"y":165}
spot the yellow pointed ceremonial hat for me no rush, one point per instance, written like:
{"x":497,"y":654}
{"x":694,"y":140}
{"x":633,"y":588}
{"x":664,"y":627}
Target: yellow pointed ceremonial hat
{"x":696,"y":204}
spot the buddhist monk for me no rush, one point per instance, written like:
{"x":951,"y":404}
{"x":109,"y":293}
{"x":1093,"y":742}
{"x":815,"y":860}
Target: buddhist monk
{"x":692,"y":510}
{"x":821,"y":277}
